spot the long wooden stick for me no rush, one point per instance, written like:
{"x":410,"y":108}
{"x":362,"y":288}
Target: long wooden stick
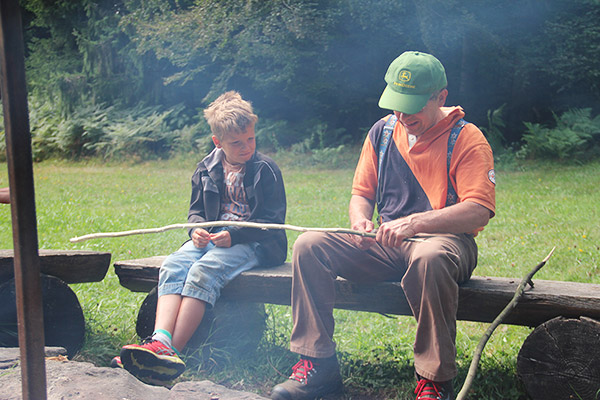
{"x":509,"y":307}
{"x":223,"y":223}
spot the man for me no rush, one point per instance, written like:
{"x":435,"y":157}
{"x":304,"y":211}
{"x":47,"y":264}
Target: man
{"x":434,"y":189}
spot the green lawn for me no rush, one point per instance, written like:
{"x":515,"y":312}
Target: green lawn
{"x":538,"y":207}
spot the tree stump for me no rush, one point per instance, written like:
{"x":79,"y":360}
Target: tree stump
{"x":64,"y":324}
{"x":229,"y":330}
{"x":560,"y":359}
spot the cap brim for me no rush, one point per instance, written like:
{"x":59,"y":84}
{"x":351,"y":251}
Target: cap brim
{"x":404,"y":103}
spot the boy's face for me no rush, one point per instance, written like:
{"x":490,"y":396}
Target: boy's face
{"x":238,"y":147}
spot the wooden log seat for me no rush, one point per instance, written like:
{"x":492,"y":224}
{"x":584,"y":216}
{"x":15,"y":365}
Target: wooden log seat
{"x":481,"y":298}
{"x":64,"y":323}
{"x":561,"y":347}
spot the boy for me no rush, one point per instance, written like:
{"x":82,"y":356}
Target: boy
{"x":232,"y":183}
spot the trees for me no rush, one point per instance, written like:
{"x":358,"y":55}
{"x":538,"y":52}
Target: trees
{"x":313,"y":70}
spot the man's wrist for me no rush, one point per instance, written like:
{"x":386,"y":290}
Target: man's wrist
{"x":413,"y":224}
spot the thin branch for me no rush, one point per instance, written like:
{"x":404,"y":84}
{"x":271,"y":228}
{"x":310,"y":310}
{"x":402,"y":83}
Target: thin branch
{"x":509,"y":307}
{"x":223,"y":223}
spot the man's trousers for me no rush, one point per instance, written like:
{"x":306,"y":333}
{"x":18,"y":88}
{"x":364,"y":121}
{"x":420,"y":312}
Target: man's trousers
{"x":429,"y":271}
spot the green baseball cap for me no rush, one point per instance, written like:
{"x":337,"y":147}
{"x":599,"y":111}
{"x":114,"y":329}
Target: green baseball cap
{"x":411,"y":80}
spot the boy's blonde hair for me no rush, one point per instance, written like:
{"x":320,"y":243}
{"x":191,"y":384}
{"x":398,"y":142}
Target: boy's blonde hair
{"x":229,"y":113}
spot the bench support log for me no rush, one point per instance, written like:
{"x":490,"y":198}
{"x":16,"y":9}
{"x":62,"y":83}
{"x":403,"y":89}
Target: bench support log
{"x":64,"y":324}
{"x":560,"y":359}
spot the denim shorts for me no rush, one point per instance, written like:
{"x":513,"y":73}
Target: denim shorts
{"x":201,"y":273}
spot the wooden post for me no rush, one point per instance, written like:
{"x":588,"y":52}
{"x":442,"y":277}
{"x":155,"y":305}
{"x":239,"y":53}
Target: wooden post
{"x":20,"y":171}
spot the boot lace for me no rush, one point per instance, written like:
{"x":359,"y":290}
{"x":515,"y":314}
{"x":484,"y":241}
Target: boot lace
{"x":427,"y":389}
{"x":302,"y":370}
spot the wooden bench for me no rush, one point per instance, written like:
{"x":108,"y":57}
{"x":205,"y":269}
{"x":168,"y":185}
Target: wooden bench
{"x":64,"y":323}
{"x":548,"y":305}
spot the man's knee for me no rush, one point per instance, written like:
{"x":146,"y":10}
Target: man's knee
{"x":307,"y":242}
{"x":312,"y":255}
{"x":433,"y":266}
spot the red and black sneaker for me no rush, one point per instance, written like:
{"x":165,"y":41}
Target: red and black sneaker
{"x":116,"y":362}
{"x":152,"y":361}
{"x":311,"y":377}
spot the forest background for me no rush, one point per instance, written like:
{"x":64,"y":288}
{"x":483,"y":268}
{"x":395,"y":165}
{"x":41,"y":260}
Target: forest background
{"x":129,"y":78}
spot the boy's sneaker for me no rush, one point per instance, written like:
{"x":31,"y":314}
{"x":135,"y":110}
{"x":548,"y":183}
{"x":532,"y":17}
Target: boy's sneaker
{"x":116,"y":362}
{"x":152,"y":361}
{"x":428,"y":390}
{"x":311,"y":377}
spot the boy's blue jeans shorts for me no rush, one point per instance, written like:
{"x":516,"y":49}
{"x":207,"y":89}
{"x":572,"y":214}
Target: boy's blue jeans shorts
{"x":201,"y":273}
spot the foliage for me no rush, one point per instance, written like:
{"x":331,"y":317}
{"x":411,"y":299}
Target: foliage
{"x":77,"y":54}
{"x":574,"y":56}
{"x":308,"y":67}
{"x":493,"y":131}
{"x":109,"y":131}
{"x":575,"y":137}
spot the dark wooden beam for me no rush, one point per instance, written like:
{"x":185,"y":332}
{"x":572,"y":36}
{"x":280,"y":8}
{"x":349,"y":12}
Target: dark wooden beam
{"x":22,"y":197}
{"x":71,"y":266}
{"x":481,"y":299}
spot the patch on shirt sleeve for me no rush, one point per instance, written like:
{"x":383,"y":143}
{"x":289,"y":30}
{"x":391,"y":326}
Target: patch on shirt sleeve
{"x":492,"y":176}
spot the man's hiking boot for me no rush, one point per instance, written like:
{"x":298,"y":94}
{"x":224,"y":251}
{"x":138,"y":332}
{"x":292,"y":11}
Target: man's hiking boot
{"x":430,"y":390}
{"x":152,"y":362}
{"x":311,"y":377}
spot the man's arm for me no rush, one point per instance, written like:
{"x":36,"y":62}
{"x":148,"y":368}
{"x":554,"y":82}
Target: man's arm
{"x":459,"y":218}
{"x":361,"y":215}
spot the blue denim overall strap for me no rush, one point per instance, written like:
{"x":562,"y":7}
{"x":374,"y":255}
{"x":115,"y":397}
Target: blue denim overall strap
{"x":388,"y":129}
{"x":452,"y":197}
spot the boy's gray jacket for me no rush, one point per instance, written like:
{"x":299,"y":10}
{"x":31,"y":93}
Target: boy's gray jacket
{"x":265,"y":192}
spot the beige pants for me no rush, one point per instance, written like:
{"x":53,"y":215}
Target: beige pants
{"x":429,"y":272}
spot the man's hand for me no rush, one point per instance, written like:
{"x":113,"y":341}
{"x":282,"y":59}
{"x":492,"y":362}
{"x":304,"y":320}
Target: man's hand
{"x":363,"y":242}
{"x":221,"y":239}
{"x":391,"y":234}
{"x":200,"y":238}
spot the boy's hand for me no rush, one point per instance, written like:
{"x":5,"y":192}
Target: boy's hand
{"x":200,"y":238}
{"x":221,"y":239}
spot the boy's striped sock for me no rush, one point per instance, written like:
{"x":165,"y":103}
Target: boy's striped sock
{"x":164,"y":337}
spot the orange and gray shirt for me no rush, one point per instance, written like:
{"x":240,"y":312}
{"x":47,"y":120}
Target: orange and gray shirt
{"x":415,"y":179}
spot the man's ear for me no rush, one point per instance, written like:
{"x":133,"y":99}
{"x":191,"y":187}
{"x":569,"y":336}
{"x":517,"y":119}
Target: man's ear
{"x":442,"y":97}
{"x":216,"y":141}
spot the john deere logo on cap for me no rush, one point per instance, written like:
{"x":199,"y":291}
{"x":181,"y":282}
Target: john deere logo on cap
{"x":404,"y":76}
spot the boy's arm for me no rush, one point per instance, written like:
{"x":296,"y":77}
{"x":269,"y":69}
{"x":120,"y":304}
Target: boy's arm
{"x":196,"y":213}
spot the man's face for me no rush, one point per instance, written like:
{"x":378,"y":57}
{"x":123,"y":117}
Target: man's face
{"x":419,"y":123}
{"x":238,"y":147}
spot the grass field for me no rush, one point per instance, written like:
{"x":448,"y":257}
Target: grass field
{"x":539,"y":207}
